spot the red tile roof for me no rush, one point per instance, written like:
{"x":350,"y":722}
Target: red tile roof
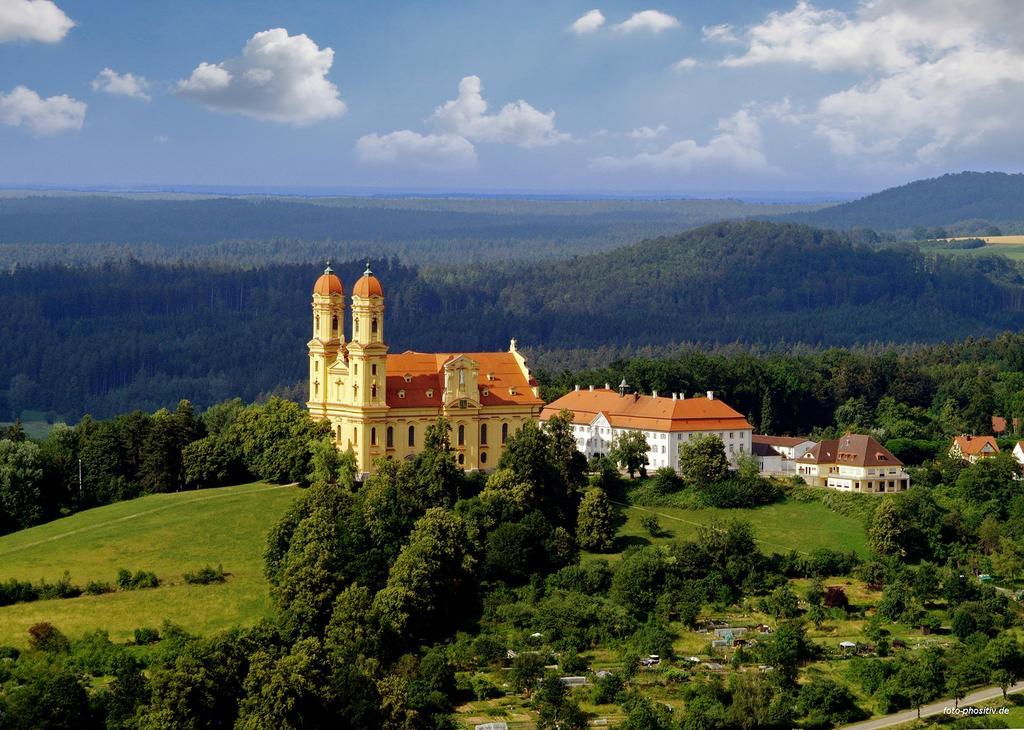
{"x":647,"y":412}
{"x":852,"y":449}
{"x":778,"y":440}
{"x":425,"y":370}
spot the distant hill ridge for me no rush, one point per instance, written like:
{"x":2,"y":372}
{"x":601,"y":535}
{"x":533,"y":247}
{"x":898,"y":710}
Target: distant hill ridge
{"x":940,"y":201}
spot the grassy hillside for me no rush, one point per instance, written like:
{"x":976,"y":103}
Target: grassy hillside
{"x":169,"y":534}
{"x":988,"y":196}
{"x":778,"y":528}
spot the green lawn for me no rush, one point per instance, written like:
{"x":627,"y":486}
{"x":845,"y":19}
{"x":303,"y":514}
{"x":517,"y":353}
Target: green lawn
{"x":35,"y":429}
{"x":779,"y":527}
{"x":168,"y":534}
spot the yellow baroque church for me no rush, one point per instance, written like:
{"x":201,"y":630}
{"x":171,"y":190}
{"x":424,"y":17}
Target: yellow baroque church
{"x":381,"y":404}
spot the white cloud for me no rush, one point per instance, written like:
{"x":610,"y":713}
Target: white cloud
{"x":278,"y":77}
{"x":25,"y":108}
{"x":588,"y":22}
{"x":516,"y":123}
{"x":933,"y":77}
{"x":128,"y":84}
{"x":647,"y":132}
{"x":430,"y":151}
{"x":685,"y":64}
{"x":723,"y":33}
{"x":653,"y":21}
{"x":736,"y":146}
{"x":161,"y":139}
{"x":33,"y":20}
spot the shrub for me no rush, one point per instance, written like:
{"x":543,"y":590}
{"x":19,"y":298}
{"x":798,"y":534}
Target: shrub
{"x":572,"y":663}
{"x":206,"y":576}
{"x":63,"y":588}
{"x":16,"y":591}
{"x":607,"y":689}
{"x":651,"y":524}
{"x":146,"y":635}
{"x":98,"y":587}
{"x":483,"y":688}
{"x":665,"y":481}
{"x":44,"y":636}
{"x":141,"y":579}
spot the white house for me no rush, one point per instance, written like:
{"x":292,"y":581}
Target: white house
{"x":769,"y":461}
{"x":788,"y":448}
{"x":1018,"y":452}
{"x":601,"y":414}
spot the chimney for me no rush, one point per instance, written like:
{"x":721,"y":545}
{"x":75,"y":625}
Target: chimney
{"x":711,"y":395}
{"x":654,"y":394}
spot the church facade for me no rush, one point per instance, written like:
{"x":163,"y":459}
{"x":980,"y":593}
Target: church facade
{"x":380,"y":404}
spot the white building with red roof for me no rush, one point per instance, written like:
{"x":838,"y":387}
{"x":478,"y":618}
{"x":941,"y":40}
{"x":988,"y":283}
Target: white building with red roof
{"x":853,"y":463}
{"x":602,"y":414}
{"x":380,"y":404}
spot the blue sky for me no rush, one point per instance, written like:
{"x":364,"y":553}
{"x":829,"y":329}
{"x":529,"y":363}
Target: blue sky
{"x":671,"y":96}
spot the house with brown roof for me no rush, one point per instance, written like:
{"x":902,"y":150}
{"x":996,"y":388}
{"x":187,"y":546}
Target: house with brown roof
{"x":853,"y":463}
{"x":788,"y":449}
{"x":973,"y":448}
{"x":601,"y":414}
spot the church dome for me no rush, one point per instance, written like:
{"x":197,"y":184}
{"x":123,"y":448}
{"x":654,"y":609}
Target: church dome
{"x":328,"y":283}
{"x":368,"y":285}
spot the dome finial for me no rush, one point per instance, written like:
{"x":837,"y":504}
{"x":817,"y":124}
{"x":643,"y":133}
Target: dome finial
{"x":367,"y":272}
{"x":328,"y":270}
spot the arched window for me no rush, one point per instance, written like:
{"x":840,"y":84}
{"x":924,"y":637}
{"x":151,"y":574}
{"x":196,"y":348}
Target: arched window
{"x":317,"y":323}
{"x":412,"y":435}
{"x":504,"y":433}
{"x":462,"y":459}
{"x":316,"y":388}
{"x":373,"y":391}
{"x":355,"y":325}
{"x":483,"y":434}
{"x":355,"y":434}
{"x":483,"y":457}
{"x":373,"y":326}
{"x":390,"y":443}
{"x":462,"y":435}
{"x":339,"y":434}
{"x":334,"y":324}
{"x":373,"y":437}
{"x":355,"y":391}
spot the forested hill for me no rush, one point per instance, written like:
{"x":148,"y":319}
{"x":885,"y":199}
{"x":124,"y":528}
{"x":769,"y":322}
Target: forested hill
{"x":967,"y":196}
{"x":117,"y":337}
{"x":241,"y":232}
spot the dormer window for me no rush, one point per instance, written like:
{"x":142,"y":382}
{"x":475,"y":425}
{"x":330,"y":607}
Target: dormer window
{"x":511,"y":391}
{"x":490,"y":376}
{"x":430,"y":392}
{"x":486,"y":391}
{"x":408,"y":378}
{"x":401,"y":394}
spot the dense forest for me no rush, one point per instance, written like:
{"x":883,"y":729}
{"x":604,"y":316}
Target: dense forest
{"x":979,"y":197}
{"x":243,"y":232}
{"x":112,"y":338}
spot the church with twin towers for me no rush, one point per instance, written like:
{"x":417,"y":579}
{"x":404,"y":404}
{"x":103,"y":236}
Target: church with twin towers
{"x":379,"y":404}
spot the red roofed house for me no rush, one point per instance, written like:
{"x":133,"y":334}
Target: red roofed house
{"x":380,"y":404}
{"x":971,"y":448}
{"x":599,"y":415}
{"x":853,"y":463}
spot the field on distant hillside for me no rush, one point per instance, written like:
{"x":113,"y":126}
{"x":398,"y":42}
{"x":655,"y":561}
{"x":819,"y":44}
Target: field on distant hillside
{"x":1011,"y":247}
{"x":779,"y":528}
{"x":169,"y":534}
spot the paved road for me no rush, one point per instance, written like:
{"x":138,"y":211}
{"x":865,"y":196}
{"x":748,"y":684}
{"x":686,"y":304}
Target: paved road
{"x":936,"y":708}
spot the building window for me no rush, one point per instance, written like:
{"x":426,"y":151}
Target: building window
{"x":483,"y":457}
{"x":504,"y":433}
{"x":486,"y":391}
{"x":462,"y":377}
{"x":373,"y":437}
{"x":318,"y":323}
{"x":483,"y":434}
{"x":334,"y":324}
{"x":430,"y":392}
{"x":373,"y":326}
{"x":355,"y":325}
{"x":412,"y":435}
{"x":373,"y":391}
{"x":355,"y":434}
{"x":355,"y":370}
{"x":339,"y":434}
{"x":463,"y":403}
{"x":408,"y":378}
{"x":462,"y":459}
{"x":462,"y":435}
{"x":401,"y":394}
{"x":373,"y":369}
{"x":390,"y":437}
{"x":355,"y":391}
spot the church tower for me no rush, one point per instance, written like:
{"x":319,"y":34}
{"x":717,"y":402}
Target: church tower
{"x":328,"y":334}
{"x":367,"y":351}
